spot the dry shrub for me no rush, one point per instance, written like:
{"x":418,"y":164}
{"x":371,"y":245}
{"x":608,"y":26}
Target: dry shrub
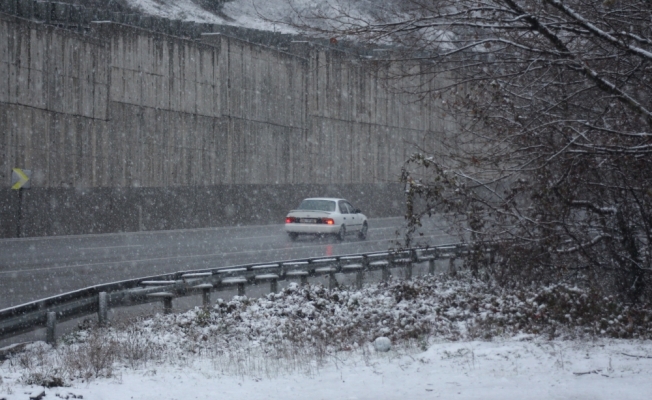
{"x":91,"y":358}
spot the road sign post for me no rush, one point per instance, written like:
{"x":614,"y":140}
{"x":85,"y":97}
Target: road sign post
{"x":20,"y":180}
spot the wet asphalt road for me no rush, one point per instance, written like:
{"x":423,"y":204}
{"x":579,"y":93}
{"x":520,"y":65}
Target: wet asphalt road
{"x":35,"y":268}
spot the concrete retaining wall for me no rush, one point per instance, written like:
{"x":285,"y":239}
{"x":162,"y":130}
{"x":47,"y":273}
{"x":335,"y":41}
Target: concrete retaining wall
{"x":111,"y":119}
{"x":60,"y":211}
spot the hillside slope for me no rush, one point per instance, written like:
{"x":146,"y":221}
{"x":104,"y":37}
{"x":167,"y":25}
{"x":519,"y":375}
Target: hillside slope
{"x":269,"y":15}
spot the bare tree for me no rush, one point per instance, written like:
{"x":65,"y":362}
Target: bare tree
{"x":551,"y":161}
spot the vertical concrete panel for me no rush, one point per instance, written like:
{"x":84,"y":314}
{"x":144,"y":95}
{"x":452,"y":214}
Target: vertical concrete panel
{"x":162,"y":95}
{"x":126,"y":81}
{"x":148,"y":168}
{"x":12,"y":139}
{"x":223,"y":152}
{"x":162,"y":57}
{"x":175,"y":83}
{"x":22,"y":67}
{"x":191,"y":149}
{"x":163,"y":130}
{"x":105,"y":148}
{"x":113,"y":145}
{"x":55,"y":60}
{"x":192,"y":68}
{"x":146,"y":51}
{"x":100,"y":101}
{"x":55,"y":175}
{"x":133,"y":151}
{"x":12,"y":46}
{"x":237,"y":74}
{"x":70,"y":78}
{"x":217,"y":81}
{"x":198,"y":132}
{"x":173,"y":154}
{"x":4,"y":80}
{"x":128,"y":51}
{"x":70,"y":141}
{"x":36,"y":85}
{"x":4,"y":143}
{"x":22,"y":138}
{"x":40,"y":147}
{"x":84,"y":170}
{"x":6,"y":33}
{"x":174,"y":149}
{"x":87,"y":81}
{"x":179,"y":174}
{"x":235,"y":153}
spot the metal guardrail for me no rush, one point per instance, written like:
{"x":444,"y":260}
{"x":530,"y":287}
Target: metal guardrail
{"x":100,"y":298}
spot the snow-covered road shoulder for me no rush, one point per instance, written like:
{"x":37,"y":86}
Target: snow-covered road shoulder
{"x":511,"y":369}
{"x":450,"y":336}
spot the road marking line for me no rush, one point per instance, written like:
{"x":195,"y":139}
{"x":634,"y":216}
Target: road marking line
{"x":110,"y":247}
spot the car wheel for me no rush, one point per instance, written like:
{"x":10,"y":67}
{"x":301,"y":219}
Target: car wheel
{"x":342,"y":233}
{"x":293,"y":236}
{"x":363,"y":232}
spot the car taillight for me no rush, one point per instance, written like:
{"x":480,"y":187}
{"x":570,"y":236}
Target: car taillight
{"x":328,"y":221}
{"x":289,"y":220}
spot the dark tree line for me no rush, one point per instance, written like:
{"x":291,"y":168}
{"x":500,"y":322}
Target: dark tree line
{"x":550,"y":159}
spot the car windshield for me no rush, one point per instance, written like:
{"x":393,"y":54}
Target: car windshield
{"x":317,"y":205}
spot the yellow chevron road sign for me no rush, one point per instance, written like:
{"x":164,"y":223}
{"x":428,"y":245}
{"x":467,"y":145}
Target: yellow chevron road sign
{"x":20,"y":178}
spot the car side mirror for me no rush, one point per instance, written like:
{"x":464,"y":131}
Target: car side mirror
{"x":357,"y":211}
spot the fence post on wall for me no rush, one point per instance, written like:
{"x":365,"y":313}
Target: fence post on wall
{"x":103,"y":309}
{"x":51,"y":328}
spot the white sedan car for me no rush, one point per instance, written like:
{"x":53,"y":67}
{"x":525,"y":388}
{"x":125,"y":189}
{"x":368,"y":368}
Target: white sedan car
{"x":324,"y":215}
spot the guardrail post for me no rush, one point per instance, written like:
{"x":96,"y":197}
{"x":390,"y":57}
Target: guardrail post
{"x":408,"y":267}
{"x":103,"y":309}
{"x":241,"y":289}
{"x":304,"y":280}
{"x":385,"y":277}
{"x":206,"y":297}
{"x":359,"y":276}
{"x":51,"y":328}
{"x":167,"y":305}
{"x":332,"y":282}
{"x":451,"y":266}
{"x":273,"y":286}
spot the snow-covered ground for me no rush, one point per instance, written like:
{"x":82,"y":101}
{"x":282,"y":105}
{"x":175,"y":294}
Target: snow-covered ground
{"x":452,"y":337}
{"x":267,"y":15}
{"x":509,"y":369}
